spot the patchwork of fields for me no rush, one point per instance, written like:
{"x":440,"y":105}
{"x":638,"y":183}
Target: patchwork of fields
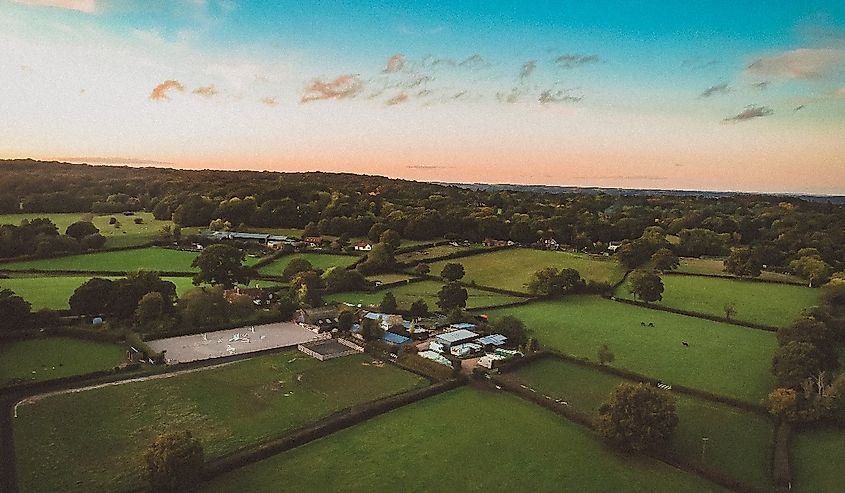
{"x":461,"y":440}
{"x":425,"y":290}
{"x":318,"y":261}
{"x":127,"y":234}
{"x":228,"y":408}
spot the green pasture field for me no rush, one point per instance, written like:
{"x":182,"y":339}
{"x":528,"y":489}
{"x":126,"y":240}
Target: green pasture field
{"x":817,"y":460}
{"x":35,"y":360}
{"x":426,"y":290}
{"x":739,"y":442}
{"x":775,"y":305}
{"x":721,"y":358}
{"x":716,"y":267}
{"x":127,"y":234}
{"x":318,"y":261}
{"x":53,"y":292}
{"x":512,"y":268}
{"x":93,"y":440}
{"x":463,"y":440}
{"x":154,"y":259}
{"x":389,"y":277}
{"x":432,"y":252}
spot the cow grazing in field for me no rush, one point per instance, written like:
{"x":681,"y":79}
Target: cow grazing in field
{"x":685,"y":343}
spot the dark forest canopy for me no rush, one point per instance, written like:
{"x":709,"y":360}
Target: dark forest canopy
{"x":350,"y":204}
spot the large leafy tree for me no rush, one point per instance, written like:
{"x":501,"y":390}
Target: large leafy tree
{"x":512,"y":328}
{"x":173,"y":462}
{"x":379,"y":259}
{"x":388,"y":303}
{"x":81,"y":229}
{"x":794,"y":362}
{"x":646,"y":285}
{"x":553,"y":282}
{"x":203,"y":307}
{"x":637,"y":417}
{"x":15,"y":310}
{"x":665,"y":260}
{"x":452,"y":272}
{"x":93,"y":297}
{"x":744,"y":262}
{"x":221,"y":264}
{"x":307,"y":289}
{"x":295,"y":266}
{"x":452,"y":295}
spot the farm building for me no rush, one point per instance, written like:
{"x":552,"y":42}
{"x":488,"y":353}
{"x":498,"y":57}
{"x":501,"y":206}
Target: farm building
{"x":435,"y":356}
{"x":462,"y":326}
{"x":363,"y":247}
{"x":492,"y":340}
{"x":259,"y":296}
{"x":456,"y":337}
{"x":386,"y":320}
{"x":465,"y":349}
{"x":395,"y":339}
{"x":324,"y":318}
{"x":236,"y":235}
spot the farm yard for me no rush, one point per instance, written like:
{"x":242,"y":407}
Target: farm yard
{"x":127,"y":234}
{"x":318,"y":261}
{"x":512,"y":268}
{"x":35,"y":360}
{"x":721,"y":358}
{"x":425,"y":290}
{"x":228,"y":407}
{"x":493,"y":436}
{"x":769,"y":304}
{"x":738,"y":442}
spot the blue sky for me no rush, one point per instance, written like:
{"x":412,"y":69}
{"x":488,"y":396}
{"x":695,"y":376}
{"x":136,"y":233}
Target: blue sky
{"x":716,"y":95}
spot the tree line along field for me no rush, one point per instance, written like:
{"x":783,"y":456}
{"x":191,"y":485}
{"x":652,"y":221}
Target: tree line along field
{"x":425,"y":290}
{"x":35,"y":360}
{"x":739,"y":442}
{"x":228,"y":408}
{"x":53,"y":292}
{"x":817,"y":459}
{"x":716,"y":267}
{"x":128,"y":234}
{"x":464,"y":439}
{"x":721,"y":358}
{"x":322,"y":261}
{"x":769,"y":304}
{"x":426,"y":254}
{"x":512,"y":268}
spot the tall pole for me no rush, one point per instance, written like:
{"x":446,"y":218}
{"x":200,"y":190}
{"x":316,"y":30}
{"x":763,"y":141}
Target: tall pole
{"x":703,"y":447}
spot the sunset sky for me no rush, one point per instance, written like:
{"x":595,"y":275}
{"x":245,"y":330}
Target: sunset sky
{"x":712,"y":95}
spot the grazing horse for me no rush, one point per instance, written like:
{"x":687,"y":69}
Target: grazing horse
{"x":685,"y":343}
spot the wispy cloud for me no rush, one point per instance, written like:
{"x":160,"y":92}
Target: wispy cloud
{"x":799,"y":107}
{"x":699,"y":63}
{"x":87,"y":6}
{"x":397,"y":99}
{"x":112,"y":160}
{"x":160,"y":91}
{"x":205,"y":91}
{"x":557,"y":96}
{"x":509,"y":97}
{"x":394,"y":64}
{"x":269,"y":101}
{"x":427,"y":166}
{"x":526,"y":70}
{"x":344,"y":87}
{"x":749,"y":113}
{"x":802,"y":64}
{"x":722,"y":88}
{"x":761,"y":86}
{"x":569,"y":60}
{"x":474,"y":61}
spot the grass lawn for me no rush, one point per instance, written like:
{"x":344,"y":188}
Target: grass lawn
{"x":427,"y":290}
{"x":432,"y":252}
{"x":512,"y":268}
{"x":768,"y":304}
{"x":34,"y":360}
{"x":318,"y":260}
{"x":458,"y":441}
{"x":53,"y":292}
{"x":127,"y":234}
{"x":817,"y":459}
{"x":389,"y":277}
{"x":93,"y":440}
{"x":716,"y":267}
{"x":721,"y":358}
{"x":157,"y":259}
{"x":739,"y":442}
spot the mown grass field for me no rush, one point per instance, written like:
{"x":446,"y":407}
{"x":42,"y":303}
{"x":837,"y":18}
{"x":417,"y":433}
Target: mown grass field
{"x":425,"y":290}
{"x":716,"y":267}
{"x":154,"y":259}
{"x":739,"y":442}
{"x":432,"y":252}
{"x":318,"y":261}
{"x":721,"y":358}
{"x":817,"y":459}
{"x":463,"y":440}
{"x":35,"y":360}
{"x":93,"y":440}
{"x":389,"y":277}
{"x":512,"y":268}
{"x":775,"y":305}
{"x":127,"y":234}
{"x":53,"y":292}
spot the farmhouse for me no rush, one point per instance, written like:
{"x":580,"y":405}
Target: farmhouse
{"x":490,"y":242}
{"x":312,"y":241}
{"x":323,"y":318}
{"x":363,"y":247}
{"x":387,"y":321}
{"x":613,"y":245}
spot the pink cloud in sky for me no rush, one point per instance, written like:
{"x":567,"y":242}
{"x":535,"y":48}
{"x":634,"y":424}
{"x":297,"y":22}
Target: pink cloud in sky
{"x":395,"y":63}
{"x":804,"y":63}
{"x":160,"y":91}
{"x":344,"y":87}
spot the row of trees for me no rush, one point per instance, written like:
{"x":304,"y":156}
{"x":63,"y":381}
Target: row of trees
{"x":40,"y":236}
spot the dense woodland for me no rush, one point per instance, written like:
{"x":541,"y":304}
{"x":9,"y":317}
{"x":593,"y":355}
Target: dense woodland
{"x":777,"y":228}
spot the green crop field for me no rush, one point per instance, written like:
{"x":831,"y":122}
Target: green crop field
{"x":775,"y":305}
{"x":93,"y":440}
{"x":739,"y":442}
{"x":318,"y":261}
{"x":721,"y":358}
{"x":156,"y":259}
{"x":432,"y":252}
{"x":127,"y":234}
{"x":53,"y":292}
{"x":463,"y":440}
{"x":426,"y":290}
{"x":716,"y":267}
{"x":512,"y":268}
{"x":35,"y":360}
{"x":817,"y":460}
